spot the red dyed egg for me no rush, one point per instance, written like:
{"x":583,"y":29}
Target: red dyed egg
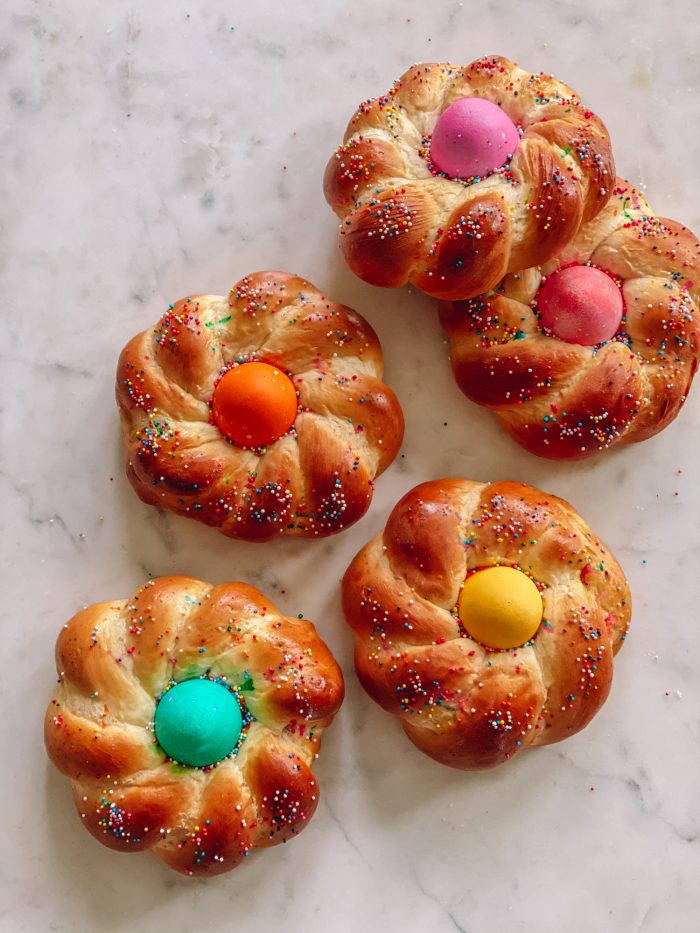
{"x":580,"y":304}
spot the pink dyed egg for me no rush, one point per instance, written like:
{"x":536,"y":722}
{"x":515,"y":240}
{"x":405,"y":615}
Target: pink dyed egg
{"x":580,"y":304}
{"x":472,"y":137}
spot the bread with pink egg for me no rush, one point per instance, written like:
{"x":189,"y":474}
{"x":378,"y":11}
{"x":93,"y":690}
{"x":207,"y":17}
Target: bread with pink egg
{"x":459,"y":175}
{"x":596,"y":347}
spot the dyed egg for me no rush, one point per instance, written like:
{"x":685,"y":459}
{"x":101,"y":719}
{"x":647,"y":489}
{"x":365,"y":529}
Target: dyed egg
{"x":580,"y":304}
{"x":198,"y":722}
{"x":472,"y":137}
{"x":500,"y":607}
{"x":254,"y":404}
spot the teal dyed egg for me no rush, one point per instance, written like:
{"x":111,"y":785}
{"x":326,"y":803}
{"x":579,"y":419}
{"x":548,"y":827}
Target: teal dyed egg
{"x":198,"y":722}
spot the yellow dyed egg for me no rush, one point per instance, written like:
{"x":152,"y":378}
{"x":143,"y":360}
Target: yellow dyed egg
{"x":500,"y":607}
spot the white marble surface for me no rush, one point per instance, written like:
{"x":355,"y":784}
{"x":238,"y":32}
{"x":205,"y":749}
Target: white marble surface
{"x":155,"y":149}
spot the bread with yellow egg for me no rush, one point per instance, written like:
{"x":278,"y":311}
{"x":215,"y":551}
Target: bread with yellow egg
{"x":486,"y":617}
{"x":261,"y":413}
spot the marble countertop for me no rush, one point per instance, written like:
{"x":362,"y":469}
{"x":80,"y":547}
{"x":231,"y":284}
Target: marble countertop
{"x":152,"y":150}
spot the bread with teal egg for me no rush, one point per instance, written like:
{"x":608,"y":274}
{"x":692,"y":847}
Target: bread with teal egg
{"x":188,"y":718}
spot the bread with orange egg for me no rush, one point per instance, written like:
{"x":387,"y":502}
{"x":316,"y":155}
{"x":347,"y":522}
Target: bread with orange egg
{"x":261,"y":413}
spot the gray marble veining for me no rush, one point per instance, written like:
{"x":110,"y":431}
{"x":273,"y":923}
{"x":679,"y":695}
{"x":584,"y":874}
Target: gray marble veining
{"x":152,"y":150}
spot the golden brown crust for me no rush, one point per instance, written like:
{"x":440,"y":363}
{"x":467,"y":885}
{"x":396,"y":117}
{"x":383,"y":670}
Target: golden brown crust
{"x":470,"y":251}
{"x":130,"y":818}
{"x":313,"y":481}
{"x":566,"y":401}
{"x":401,"y":222}
{"x":461,"y":703}
{"x":114,"y":659}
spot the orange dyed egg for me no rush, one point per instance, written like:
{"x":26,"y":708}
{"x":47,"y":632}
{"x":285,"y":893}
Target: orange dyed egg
{"x":254,"y":404}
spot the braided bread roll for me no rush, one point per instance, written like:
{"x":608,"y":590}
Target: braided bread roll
{"x":314,"y":480}
{"x":461,"y":703}
{"x":115,"y":658}
{"x":452,"y":238}
{"x":566,"y":401}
